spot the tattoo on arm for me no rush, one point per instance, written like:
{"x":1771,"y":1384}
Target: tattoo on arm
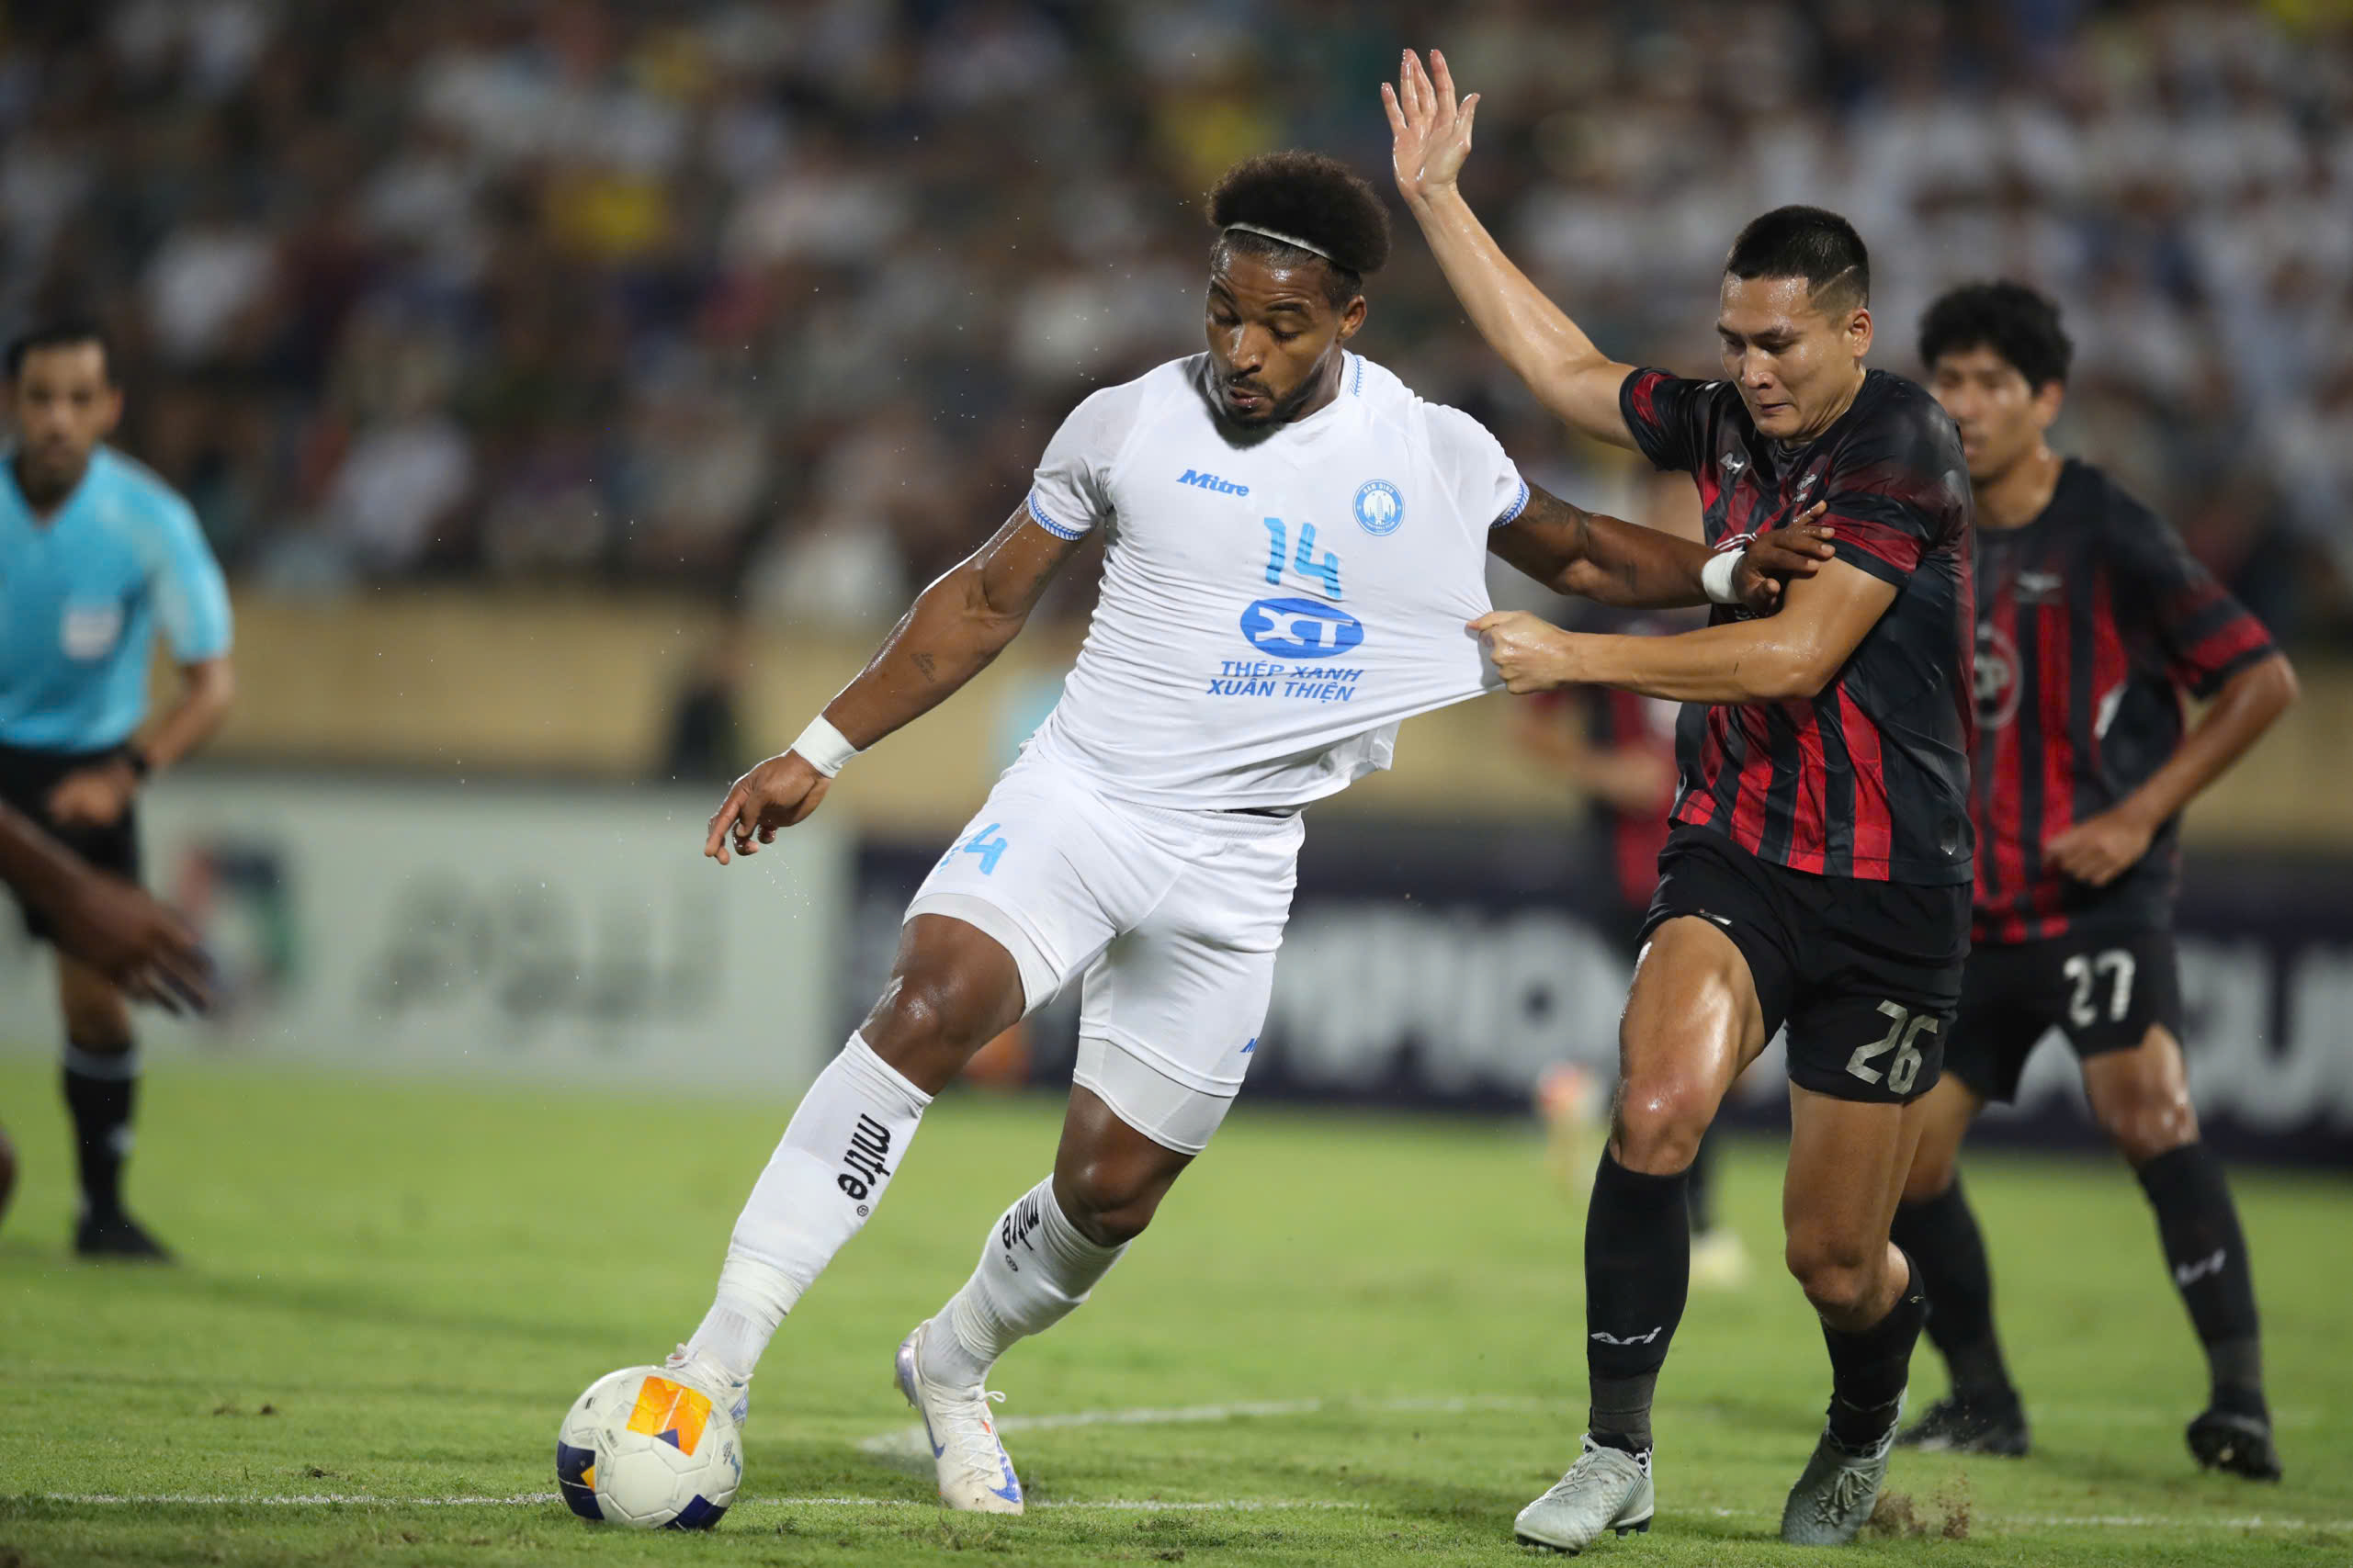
{"x":928,"y":665}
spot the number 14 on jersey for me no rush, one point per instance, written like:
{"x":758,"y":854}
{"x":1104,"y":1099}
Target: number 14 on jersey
{"x":1320,"y":572}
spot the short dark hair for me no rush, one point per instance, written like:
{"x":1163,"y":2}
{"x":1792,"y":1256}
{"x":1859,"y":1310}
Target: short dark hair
{"x":1810,"y":242}
{"x":1311,"y":197}
{"x":64,"y":331}
{"x":2012,"y":319}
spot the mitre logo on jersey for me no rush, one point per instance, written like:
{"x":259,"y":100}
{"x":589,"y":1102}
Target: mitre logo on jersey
{"x":1301,"y":629}
{"x":1200,"y":481}
{"x":1380,"y":507}
{"x":1996,"y":676}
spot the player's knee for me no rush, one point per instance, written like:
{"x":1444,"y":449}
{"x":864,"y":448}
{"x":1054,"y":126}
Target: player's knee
{"x":928,"y":1022}
{"x":1660,"y":1122}
{"x":1838,"y":1275}
{"x":2146,"y":1121}
{"x":1108,"y":1199}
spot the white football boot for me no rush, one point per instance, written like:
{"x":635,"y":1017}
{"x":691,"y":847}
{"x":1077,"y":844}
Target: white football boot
{"x":974,"y":1473}
{"x":1606,"y":1489}
{"x":729,"y":1393}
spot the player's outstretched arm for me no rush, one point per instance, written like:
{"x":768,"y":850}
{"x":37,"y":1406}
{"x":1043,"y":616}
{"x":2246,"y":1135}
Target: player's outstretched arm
{"x":1430,"y":137}
{"x":105,"y":921}
{"x":1571,"y":551}
{"x":1789,"y":656}
{"x":951,"y":633}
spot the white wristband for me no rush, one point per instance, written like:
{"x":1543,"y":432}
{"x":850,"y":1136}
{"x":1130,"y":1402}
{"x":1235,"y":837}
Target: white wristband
{"x":1715,"y":577}
{"x":822,"y":747}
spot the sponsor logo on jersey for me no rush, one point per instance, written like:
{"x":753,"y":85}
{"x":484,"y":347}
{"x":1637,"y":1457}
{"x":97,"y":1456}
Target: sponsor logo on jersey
{"x":1301,"y":629}
{"x":1998,"y":677}
{"x":1379,"y":507}
{"x":863,"y":1169}
{"x":2039,"y":587}
{"x":1201,"y":480}
{"x":1732,"y":463}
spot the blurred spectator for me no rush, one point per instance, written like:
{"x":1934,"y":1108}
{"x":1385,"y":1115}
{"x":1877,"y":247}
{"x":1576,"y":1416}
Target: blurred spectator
{"x":726,"y":287}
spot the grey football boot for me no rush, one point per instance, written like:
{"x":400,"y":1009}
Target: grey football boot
{"x":1833,"y":1498}
{"x":1606,"y":1489}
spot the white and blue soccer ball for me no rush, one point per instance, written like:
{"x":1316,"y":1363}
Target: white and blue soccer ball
{"x":643,"y":1450}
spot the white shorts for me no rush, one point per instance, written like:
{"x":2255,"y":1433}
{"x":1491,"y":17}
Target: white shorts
{"x":1173,"y":917}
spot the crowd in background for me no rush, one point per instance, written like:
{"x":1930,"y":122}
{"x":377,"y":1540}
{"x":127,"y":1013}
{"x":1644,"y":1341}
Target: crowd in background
{"x":779,"y":299}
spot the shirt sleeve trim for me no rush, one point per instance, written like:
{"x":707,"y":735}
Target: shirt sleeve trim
{"x":1059,"y":530}
{"x":1511,"y":513}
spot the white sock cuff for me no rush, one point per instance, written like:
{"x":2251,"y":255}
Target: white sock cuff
{"x":885,"y":1081}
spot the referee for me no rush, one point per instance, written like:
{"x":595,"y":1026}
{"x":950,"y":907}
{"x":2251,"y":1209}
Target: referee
{"x":95,"y":553}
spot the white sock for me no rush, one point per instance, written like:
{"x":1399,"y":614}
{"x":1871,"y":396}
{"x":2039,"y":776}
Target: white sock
{"x":822,"y":1183}
{"x":1035,"y":1269}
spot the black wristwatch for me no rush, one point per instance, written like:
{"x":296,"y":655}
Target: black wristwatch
{"x":135,"y":758}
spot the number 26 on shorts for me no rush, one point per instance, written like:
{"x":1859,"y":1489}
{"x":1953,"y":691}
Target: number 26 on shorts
{"x":1902,"y":1037}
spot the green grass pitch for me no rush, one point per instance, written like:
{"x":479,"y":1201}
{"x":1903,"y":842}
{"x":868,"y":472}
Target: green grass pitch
{"x":1349,"y":1340}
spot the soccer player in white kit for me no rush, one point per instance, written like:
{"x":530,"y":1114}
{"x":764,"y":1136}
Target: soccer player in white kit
{"x":1295,"y":544}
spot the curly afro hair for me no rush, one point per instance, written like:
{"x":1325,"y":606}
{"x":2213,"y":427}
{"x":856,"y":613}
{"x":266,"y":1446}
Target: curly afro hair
{"x":1321,"y":200}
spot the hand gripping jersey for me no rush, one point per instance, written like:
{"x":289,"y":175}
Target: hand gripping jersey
{"x":1870,"y":777}
{"x":1274,"y":604}
{"x":2092,"y":621}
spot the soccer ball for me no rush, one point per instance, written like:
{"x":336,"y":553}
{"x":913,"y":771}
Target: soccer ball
{"x":644,"y":1450}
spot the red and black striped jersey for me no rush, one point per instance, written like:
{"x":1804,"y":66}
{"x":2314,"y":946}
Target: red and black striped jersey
{"x":1870,"y":777}
{"x":2093,"y":620}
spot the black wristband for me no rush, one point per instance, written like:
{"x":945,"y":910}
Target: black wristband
{"x":135,"y":758}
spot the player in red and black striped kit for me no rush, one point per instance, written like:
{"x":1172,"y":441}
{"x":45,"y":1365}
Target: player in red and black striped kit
{"x":1819,"y":871}
{"x":2093,"y":624}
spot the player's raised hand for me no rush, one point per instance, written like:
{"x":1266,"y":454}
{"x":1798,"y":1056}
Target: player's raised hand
{"x":1529,"y":652}
{"x":779,"y":792}
{"x":1430,"y":133}
{"x":1796,"y":549}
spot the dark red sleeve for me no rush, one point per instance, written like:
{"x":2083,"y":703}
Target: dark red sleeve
{"x":2207,"y":634}
{"x":1669,"y":416}
{"x":1898,"y":491}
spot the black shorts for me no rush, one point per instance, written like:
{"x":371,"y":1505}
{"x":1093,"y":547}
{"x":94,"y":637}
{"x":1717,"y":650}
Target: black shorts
{"x":1866,"y":974}
{"x":2103,"y":990}
{"x":26,"y":779}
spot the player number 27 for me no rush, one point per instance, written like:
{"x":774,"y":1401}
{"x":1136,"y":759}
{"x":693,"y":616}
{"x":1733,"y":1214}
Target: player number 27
{"x":1322,"y":569}
{"x":1902,"y":1038}
{"x":2084,"y":970}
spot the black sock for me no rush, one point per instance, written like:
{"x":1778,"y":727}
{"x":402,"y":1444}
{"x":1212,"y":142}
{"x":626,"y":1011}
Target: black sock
{"x":1940,"y":1236}
{"x":101,"y":1089}
{"x":2199,"y":1225}
{"x":1699,"y":1187}
{"x":1868,"y":1368}
{"x":1637,"y":1271}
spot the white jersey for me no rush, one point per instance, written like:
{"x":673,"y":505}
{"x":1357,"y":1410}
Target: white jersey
{"x":1274,"y":604}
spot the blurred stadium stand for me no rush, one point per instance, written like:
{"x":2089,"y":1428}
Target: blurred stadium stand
{"x":779,"y":300}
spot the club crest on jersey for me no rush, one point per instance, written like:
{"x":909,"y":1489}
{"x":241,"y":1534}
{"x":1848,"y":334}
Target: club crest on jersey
{"x":1301,"y":629}
{"x":1379,"y":507}
{"x":1998,"y":673}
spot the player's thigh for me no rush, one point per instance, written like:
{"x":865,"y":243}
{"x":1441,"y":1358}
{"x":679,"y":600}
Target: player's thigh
{"x":1173,"y":1008}
{"x":1024,"y":897}
{"x":2122,"y":1014}
{"x":1693,"y":1020}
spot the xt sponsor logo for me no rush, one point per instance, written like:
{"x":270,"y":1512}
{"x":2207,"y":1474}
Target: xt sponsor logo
{"x":862,"y":1166}
{"x":1211,"y":482}
{"x":2187,"y":1274}
{"x":1019,"y":1222}
{"x":1300,"y":629}
{"x":1630,"y":1339}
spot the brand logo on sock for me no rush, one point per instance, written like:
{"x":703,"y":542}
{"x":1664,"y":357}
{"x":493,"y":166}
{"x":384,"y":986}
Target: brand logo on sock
{"x":1019,"y":1221}
{"x":1630,"y":1339}
{"x":869,"y":1141}
{"x":2187,"y":1274}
